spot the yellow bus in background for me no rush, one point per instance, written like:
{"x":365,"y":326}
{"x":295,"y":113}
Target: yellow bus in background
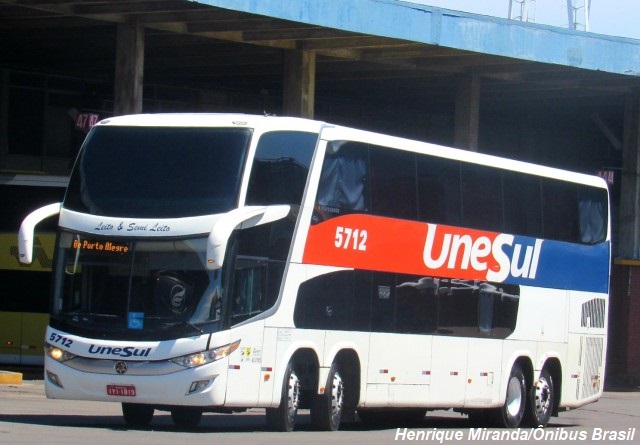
{"x":25,"y":289}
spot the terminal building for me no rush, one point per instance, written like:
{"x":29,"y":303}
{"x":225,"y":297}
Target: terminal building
{"x":537,"y":93}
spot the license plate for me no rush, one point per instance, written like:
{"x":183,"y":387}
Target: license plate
{"x":121,"y":390}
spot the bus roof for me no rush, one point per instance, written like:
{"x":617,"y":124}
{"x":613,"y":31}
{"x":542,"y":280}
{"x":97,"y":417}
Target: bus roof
{"x":214,"y":120}
{"x":336,"y":132}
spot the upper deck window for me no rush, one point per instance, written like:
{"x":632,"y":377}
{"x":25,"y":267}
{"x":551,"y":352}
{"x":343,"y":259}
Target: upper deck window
{"x":158,"y":172}
{"x":383,"y":181}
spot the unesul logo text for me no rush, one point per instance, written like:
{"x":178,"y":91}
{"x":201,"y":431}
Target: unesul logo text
{"x":493,"y":257}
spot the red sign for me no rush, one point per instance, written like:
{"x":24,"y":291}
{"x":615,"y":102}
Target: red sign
{"x":121,"y":390}
{"x":607,"y":175}
{"x":85,"y":121}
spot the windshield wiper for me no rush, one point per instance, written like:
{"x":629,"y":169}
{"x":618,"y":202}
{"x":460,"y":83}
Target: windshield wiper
{"x":172,"y":321}
{"x":85,"y":315}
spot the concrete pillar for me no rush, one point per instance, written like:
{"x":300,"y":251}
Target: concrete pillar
{"x":129,"y":69}
{"x":298,"y":97}
{"x":628,"y":245}
{"x":467,"y":113}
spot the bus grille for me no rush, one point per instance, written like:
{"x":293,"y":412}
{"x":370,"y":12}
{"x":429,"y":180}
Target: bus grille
{"x":593,"y":313}
{"x":591,"y":361}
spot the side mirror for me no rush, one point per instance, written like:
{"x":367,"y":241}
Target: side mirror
{"x":241,"y":218}
{"x":25,"y":235}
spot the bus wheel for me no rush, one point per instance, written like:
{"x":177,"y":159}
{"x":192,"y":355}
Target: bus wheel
{"x":283,"y":418}
{"x":186,"y":417}
{"x":512,"y":412}
{"x":328,"y":407}
{"x":137,"y":415}
{"x":541,"y":401}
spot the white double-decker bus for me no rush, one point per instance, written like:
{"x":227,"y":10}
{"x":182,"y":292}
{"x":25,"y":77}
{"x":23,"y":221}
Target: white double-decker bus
{"x":214,"y":263}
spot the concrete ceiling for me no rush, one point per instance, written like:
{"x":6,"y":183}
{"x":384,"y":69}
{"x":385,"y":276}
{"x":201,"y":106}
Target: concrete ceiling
{"x":200,"y":46}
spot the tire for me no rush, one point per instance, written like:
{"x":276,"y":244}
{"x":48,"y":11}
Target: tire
{"x":513,"y":410}
{"x":327,"y":408}
{"x":283,"y":418}
{"x":137,"y":415}
{"x":186,"y":417}
{"x":541,"y":401}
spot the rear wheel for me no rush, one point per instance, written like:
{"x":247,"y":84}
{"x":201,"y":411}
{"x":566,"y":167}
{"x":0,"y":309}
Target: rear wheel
{"x":186,"y":417}
{"x":283,"y":418}
{"x":137,"y":415}
{"x":541,"y":400}
{"x":512,"y":412}
{"x":328,"y":407}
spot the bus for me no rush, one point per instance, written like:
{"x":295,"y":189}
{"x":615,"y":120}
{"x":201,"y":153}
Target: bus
{"x":221,"y":262}
{"x":24,"y":289}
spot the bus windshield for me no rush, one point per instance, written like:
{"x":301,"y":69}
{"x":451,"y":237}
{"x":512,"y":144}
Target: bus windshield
{"x":156,"y":172}
{"x":136,"y":288}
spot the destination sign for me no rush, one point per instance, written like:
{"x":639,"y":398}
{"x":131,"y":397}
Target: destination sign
{"x":106,"y":246}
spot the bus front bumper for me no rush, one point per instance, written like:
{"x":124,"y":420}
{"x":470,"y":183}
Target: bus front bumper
{"x":200,"y":386}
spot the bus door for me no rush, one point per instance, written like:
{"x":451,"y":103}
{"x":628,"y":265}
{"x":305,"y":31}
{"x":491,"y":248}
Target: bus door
{"x":399,"y":369}
{"x":248,"y":299}
{"x":457,"y":319}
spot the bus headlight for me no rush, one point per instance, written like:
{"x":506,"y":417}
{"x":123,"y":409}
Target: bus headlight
{"x":204,"y":357}
{"x":59,"y":355}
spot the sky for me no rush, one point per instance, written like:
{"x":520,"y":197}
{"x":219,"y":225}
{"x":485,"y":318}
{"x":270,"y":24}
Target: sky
{"x":619,"y":18}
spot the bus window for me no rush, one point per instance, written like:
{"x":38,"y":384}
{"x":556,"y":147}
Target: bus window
{"x":416,"y":305}
{"x":168,"y":173}
{"x":326,"y":302}
{"x":383,"y":300}
{"x":522,"y":204}
{"x":439,"y":198}
{"x":342,"y":187}
{"x":280,"y":168}
{"x":393,"y":183}
{"x":481,"y":197}
{"x":249,"y":297}
{"x":560,"y":210}
{"x":592,"y":207}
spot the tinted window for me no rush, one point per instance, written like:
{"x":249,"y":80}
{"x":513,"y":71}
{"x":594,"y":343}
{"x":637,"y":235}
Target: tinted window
{"x":387,"y":302}
{"x":280,"y":168}
{"x":393,"y":183}
{"x":439,"y":198}
{"x":382,"y":181}
{"x":522,"y":204}
{"x":261,"y":254}
{"x":326,"y":304}
{"x":560,"y":210}
{"x":158,"y":172}
{"x":481,"y":197}
{"x":343,"y":181}
{"x":592,"y":206}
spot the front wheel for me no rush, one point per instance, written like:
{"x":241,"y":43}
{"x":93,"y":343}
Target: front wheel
{"x":328,"y":407}
{"x":541,"y":401}
{"x":283,"y":418}
{"x":512,"y":412}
